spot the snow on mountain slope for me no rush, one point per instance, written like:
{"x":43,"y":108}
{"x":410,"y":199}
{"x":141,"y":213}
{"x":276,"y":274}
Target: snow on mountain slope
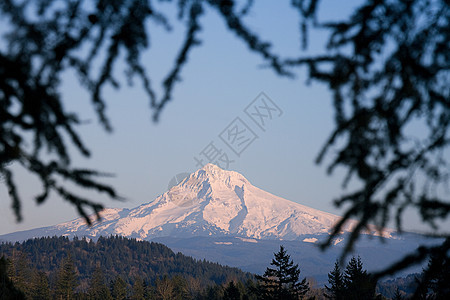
{"x":210,"y":201}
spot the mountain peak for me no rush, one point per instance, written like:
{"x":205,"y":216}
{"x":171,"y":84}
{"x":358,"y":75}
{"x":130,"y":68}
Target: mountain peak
{"x":211,"y":166}
{"x":213,"y":173}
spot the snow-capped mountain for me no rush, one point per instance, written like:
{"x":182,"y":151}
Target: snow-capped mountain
{"x":209,"y":202}
{"x":220,"y":216}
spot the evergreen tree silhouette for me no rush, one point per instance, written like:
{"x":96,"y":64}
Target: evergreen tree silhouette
{"x":358,"y":283}
{"x":7,"y":288}
{"x":231,"y":292}
{"x":336,"y":289}
{"x":282,"y":281}
{"x":435,"y":279}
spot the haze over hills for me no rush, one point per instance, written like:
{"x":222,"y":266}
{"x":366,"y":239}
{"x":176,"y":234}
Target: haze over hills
{"x":209,"y":202}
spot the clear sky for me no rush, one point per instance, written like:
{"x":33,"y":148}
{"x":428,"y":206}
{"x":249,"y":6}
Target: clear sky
{"x":220,"y":80}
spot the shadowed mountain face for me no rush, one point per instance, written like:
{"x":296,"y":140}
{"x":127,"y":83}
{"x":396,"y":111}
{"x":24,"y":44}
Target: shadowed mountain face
{"x":209,"y":202}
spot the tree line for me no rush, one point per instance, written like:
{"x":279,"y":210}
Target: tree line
{"x":62,"y":270}
{"x":128,"y":258}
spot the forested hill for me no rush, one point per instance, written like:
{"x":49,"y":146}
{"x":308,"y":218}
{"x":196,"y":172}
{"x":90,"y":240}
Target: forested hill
{"x":116,"y":256}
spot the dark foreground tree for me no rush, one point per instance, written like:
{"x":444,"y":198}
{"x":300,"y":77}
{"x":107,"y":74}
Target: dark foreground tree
{"x":231,"y":292}
{"x":19,"y":272}
{"x":282,"y":281}
{"x":336,"y":287}
{"x":353,"y":283}
{"x":387,"y":67}
{"x":435,"y":279}
{"x":7,"y":288}
{"x":358,"y":284}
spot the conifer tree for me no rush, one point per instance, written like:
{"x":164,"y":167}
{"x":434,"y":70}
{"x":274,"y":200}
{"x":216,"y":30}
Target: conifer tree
{"x":180,"y":287}
{"x":66,"y":279}
{"x":282,"y":281}
{"x":39,"y":286}
{"x":336,"y":279}
{"x":435,"y":279}
{"x":139,"y":290}
{"x":97,"y":287}
{"x":440,"y":283}
{"x":214,"y":292}
{"x":7,"y":288}
{"x":19,"y":272}
{"x":421,"y":292}
{"x":358,"y":283}
{"x":231,"y":292}
{"x":119,"y":289}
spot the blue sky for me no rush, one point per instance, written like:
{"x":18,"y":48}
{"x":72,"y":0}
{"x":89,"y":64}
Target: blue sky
{"x":221,"y":78}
